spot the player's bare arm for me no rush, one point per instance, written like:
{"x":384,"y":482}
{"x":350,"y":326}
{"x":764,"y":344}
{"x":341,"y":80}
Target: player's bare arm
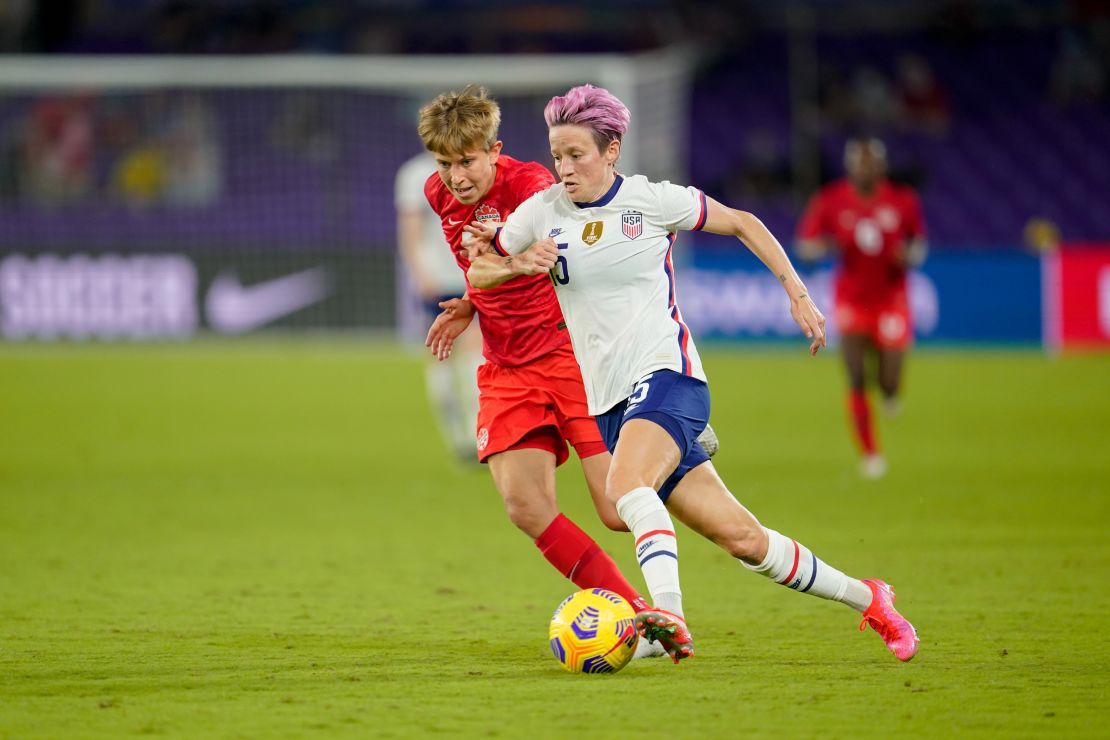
{"x":750,"y":230}
{"x":490,"y":270}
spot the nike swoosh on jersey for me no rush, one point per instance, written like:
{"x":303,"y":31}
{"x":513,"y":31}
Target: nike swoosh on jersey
{"x":453,"y":222}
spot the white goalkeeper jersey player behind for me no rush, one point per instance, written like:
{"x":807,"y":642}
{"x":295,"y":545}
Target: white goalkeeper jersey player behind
{"x":435,"y":275}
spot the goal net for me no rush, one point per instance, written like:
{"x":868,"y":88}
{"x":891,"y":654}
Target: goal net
{"x":155,"y":197}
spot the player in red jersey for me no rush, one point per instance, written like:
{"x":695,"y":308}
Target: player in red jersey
{"x":877,"y":228}
{"x":530,"y":394}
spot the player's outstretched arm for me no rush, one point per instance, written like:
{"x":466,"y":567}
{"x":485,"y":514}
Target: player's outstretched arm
{"x":490,"y":270}
{"x":750,"y":230}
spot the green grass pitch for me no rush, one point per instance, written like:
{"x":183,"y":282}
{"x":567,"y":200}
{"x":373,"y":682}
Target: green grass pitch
{"x":265,"y":539}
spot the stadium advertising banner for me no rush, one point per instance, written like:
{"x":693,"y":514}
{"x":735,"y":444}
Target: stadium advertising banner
{"x":1077,"y":297}
{"x":174,"y":296}
{"x":986,"y":296}
{"x":956,"y":297}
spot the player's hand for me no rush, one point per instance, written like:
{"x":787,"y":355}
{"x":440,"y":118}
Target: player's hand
{"x":810,"y":318}
{"x":477,"y":238}
{"x":910,"y":254}
{"x":538,"y":258}
{"x":448,"y":326}
{"x":459,"y":307}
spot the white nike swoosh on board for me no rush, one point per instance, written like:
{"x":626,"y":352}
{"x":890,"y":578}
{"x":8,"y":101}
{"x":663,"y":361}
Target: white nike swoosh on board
{"x":233,"y":308}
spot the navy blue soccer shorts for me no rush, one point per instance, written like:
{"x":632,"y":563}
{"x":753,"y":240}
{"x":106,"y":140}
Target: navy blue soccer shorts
{"x":676,"y":402}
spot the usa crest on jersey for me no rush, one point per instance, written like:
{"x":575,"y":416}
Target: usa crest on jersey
{"x":632,"y":224}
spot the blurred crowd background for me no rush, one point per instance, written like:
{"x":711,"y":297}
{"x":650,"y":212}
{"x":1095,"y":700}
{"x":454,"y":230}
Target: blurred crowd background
{"x":998,"y":112}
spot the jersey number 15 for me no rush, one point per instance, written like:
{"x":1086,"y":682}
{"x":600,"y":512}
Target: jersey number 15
{"x":560,"y":275}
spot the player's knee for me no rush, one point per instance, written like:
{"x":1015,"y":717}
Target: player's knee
{"x":613,"y":486}
{"x":528,"y":521}
{"x":616,"y":490}
{"x":745,"y":541}
{"x":618,"y":483}
{"x":530,"y":513}
{"x":610,"y":519}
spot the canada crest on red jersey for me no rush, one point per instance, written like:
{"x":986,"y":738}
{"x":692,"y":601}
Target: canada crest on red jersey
{"x":486,"y":212}
{"x":632,"y":224}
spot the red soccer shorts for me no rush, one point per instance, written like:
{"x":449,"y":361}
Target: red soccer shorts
{"x":540,"y":405}
{"x":887,"y":325}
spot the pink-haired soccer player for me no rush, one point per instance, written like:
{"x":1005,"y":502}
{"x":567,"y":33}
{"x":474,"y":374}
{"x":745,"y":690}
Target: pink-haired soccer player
{"x":607,"y":240}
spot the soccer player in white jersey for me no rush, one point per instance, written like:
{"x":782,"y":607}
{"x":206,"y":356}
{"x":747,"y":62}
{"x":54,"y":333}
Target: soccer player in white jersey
{"x":437,"y":280}
{"x":607,"y":240}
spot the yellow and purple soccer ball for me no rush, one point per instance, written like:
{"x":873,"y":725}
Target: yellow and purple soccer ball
{"x":593,"y":631}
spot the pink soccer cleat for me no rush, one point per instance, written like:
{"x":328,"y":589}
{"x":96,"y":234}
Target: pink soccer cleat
{"x":898,"y":634}
{"x":669,"y":629}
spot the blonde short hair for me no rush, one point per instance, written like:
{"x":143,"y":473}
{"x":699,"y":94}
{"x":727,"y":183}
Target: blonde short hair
{"x":457,"y":122}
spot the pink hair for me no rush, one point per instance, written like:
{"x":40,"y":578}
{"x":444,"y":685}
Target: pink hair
{"x":593,"y":107}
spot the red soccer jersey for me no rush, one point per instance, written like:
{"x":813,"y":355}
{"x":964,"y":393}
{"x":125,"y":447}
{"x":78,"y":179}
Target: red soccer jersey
{"x":520,"y":318}
{"x":871,"y":232}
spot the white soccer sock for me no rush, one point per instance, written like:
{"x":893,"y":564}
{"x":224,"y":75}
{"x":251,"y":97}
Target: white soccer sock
{"x":793,"y":565}
{"x":656,"y":545}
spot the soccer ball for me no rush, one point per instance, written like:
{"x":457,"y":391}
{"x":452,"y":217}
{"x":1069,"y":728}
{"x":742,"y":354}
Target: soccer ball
{"x":593,"y":631}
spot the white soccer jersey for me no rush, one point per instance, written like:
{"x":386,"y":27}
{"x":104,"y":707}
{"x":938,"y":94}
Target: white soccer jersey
{"x":434,"y":255}
{"x":615,"y":278}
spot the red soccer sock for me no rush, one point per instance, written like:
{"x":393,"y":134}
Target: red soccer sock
{"x":861,"y":419}
{"x":579,"y":558}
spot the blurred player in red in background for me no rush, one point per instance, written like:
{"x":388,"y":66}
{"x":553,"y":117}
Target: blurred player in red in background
{"x":531,"y":398}
{"x":877,"y":228}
